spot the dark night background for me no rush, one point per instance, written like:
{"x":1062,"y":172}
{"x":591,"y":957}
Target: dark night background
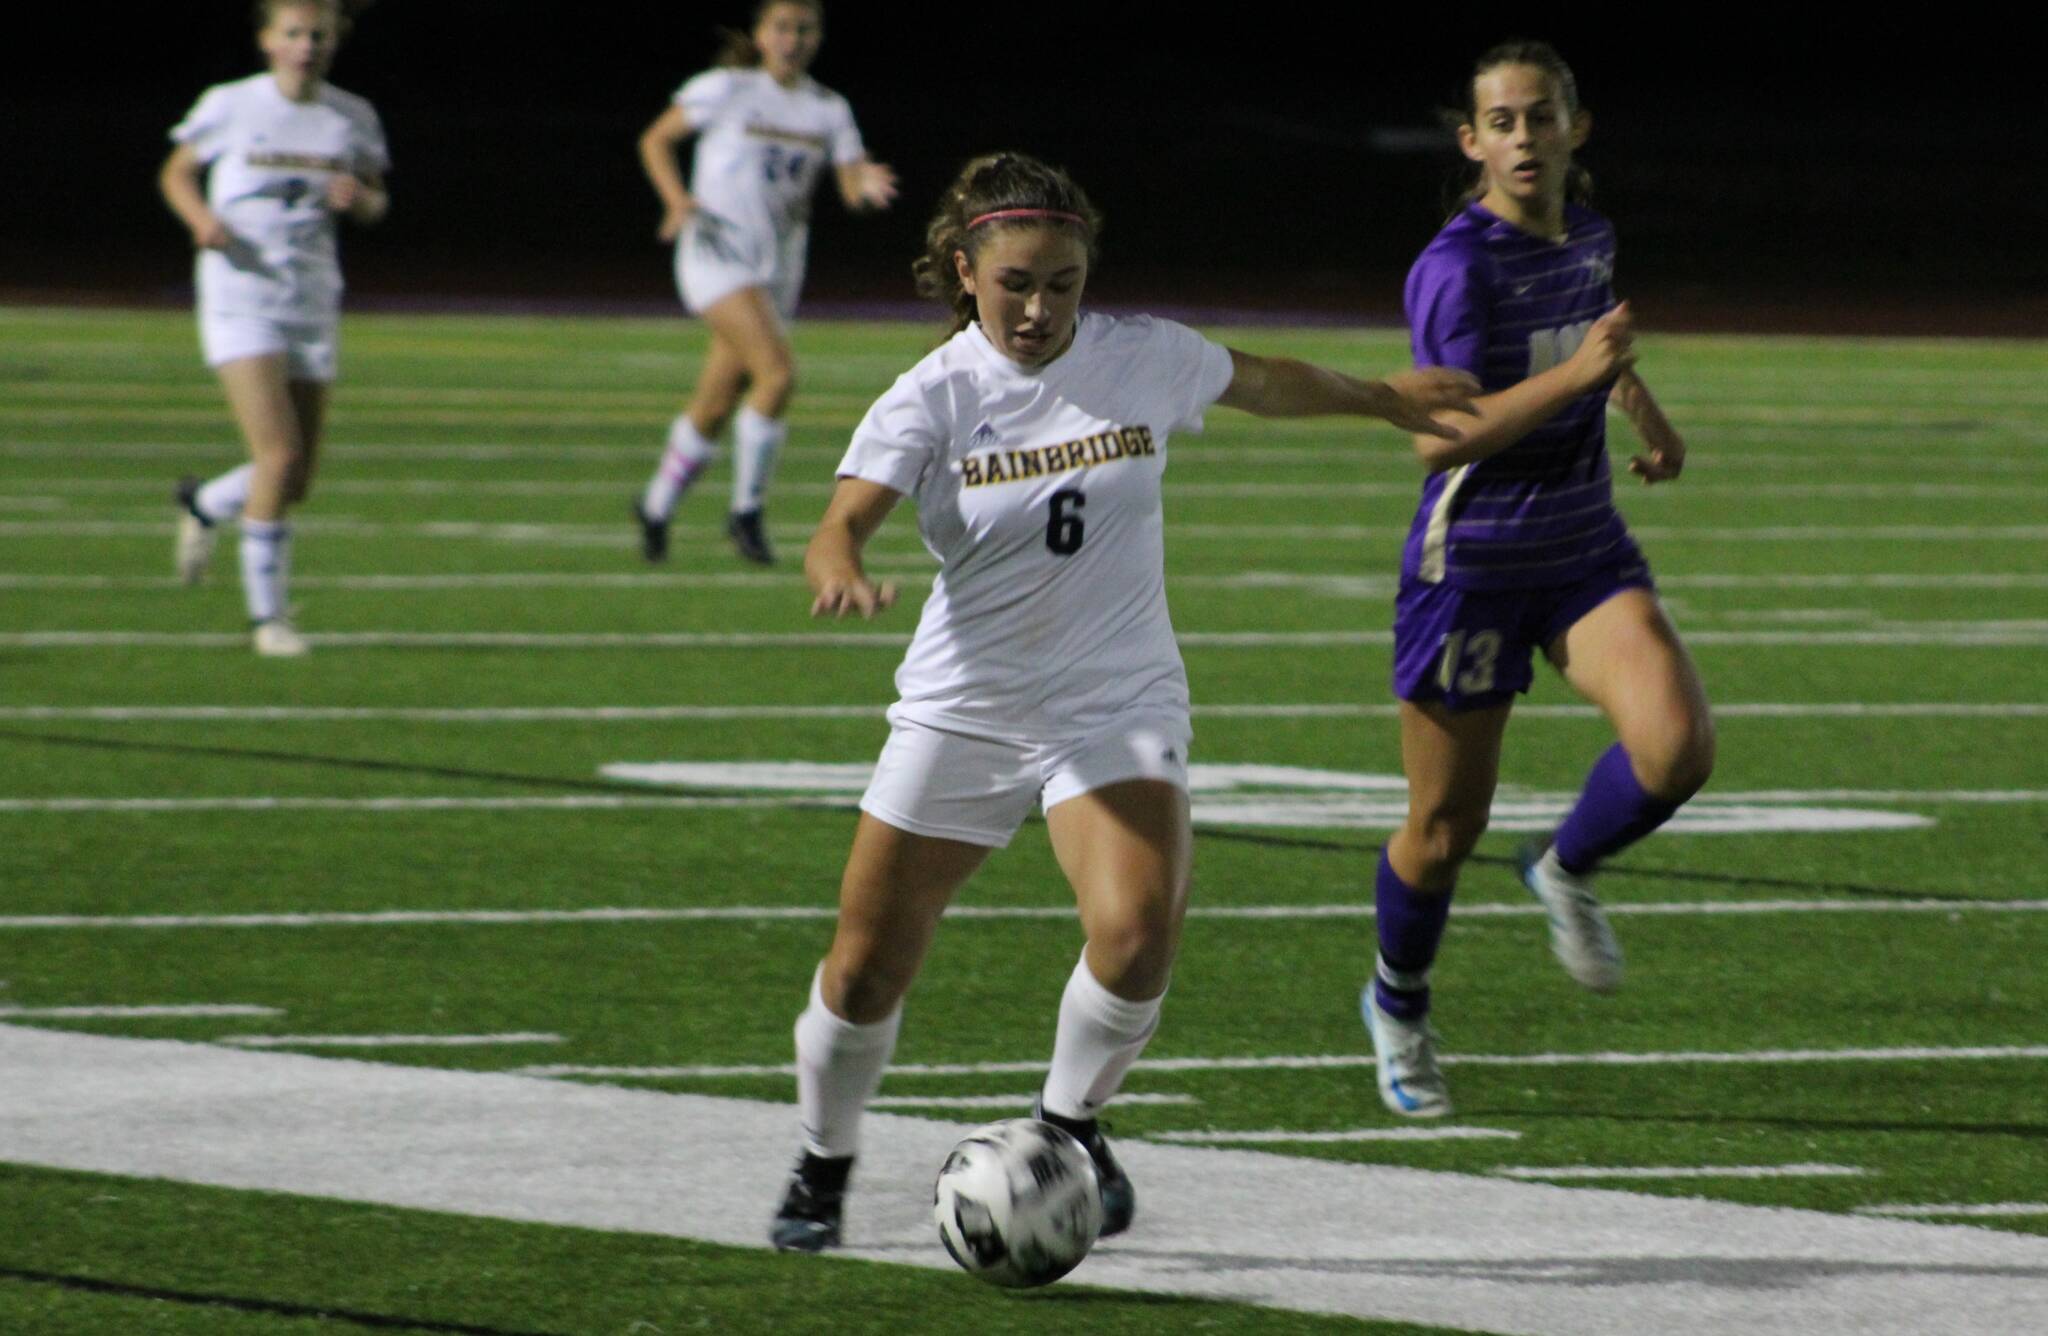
{"x":1786,"y":172}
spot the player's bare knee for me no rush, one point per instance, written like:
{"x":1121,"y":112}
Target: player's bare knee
{"x":1680,"y":765}
{"x":1442,"y":843}
{"x":865,"y":988}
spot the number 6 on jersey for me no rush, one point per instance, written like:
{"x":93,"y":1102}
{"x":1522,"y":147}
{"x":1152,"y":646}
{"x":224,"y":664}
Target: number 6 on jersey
{"x":1063,"y":526}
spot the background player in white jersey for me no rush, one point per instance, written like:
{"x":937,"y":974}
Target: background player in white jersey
{"x":282,"y":155}
{"x":765,"y":132}
{"x":1044,"y":668}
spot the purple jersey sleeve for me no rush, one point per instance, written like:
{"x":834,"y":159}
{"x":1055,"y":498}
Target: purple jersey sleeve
{"x":1448,"y":301}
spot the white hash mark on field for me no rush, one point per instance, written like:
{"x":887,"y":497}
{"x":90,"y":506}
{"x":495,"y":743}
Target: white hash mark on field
{"x":83,"y":1013}
{"x":1658,"y":1172}
{"x":1462,"y":1251}
{"x":1278,"y":1137}
{"x":1966,"y":1210}
{"x":385,"y":1040}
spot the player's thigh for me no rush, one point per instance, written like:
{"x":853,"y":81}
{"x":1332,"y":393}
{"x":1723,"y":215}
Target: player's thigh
{"x":259,"y":395}
{"x":309,"y":406}
{"x":719,"y":384}
{"x":1626,"y":658}
{"x":1453,"y":763}
{"x":748,"y":322}
{"x":896,"y":886}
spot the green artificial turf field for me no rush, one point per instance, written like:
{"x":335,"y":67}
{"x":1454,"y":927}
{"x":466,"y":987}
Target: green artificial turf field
{"x":1835,"y":983}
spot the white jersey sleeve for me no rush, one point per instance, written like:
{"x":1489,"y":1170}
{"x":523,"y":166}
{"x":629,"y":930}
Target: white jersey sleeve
{"x":846,"y":144}
{"x":204,"y":129}
{"x":369,"y":152}
{"x":1192,"y":372}
{"x":705,"y":98}
{"x":897,"y":440}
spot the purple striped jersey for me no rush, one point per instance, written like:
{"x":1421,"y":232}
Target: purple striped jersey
{"x":1491,"y":299}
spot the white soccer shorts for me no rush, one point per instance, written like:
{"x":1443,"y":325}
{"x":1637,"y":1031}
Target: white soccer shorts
{"x":312,"y":348}
{"x":978,"y":790}
{"x":715,"y":259}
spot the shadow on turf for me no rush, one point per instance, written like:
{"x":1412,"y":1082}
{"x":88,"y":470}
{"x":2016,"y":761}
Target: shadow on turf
{"x":1646,"y":873}
{"x":268,"y":1307}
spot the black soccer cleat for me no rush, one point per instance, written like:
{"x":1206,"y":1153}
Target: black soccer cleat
{"x":653,"y":535}
{"x":749,"y":538}
{"x":808,"y":1220}
{"x":1119,"y":1198}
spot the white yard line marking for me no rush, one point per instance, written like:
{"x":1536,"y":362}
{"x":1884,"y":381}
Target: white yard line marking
{"x":1541,"y":1173}
{"x":393,"y":918}
{"x":133,"y":1013}
{"x":384,"y":1040}
{"x":1280,"y":1138}
{"x":1976,"y":1210}
{"x":574,"y":802}
{"x":1958,"y":635}
{"x":1464,"y":1251}
{"x":518,"y":714}
{"x":1019,"y":1102}
{"x":1326,"y":1062}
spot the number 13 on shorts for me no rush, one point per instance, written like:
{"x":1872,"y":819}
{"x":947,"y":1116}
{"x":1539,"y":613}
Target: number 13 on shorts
{"x":1475,"y":653}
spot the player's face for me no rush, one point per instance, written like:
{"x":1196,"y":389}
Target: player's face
{"x":1523,"y":135}
{"x":1026,"y":283}
{"x":788,"y":37}
{"x":299,"y":40}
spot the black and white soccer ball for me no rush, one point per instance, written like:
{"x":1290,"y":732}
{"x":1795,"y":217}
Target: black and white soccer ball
{"x":1017,"y":1203}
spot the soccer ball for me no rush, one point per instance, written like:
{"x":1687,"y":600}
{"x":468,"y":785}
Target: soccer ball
{"x":1017,"y":1203}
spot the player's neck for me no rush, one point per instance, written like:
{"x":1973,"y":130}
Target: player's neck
{"x":296,"y":87}
{"x":1538,"y":217}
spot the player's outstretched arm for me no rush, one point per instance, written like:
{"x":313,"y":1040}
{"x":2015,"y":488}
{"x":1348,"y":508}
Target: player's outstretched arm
{"x":1500,"y":419}
{"x":866,"y":184}
{"x":832,"y":564}
{"x":658,"y":145}
{"x":1663,"y":456}
{"x":1284,"y":387}
{"x":179,"y":182}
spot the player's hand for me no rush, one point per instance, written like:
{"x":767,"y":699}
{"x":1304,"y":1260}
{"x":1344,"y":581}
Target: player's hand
{"x":343,"y":191}
{"x":212,"y":234}
{"x":1415,"y":397}
{"x":1609,"y":348}
{"x":838,"y":596}
{"x":874,"y":185}
{"x":673,"y":221}
{"x":1663,"y":456}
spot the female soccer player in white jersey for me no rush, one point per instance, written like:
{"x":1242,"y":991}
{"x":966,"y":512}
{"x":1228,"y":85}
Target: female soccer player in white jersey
{"x":1044,"y":668}
{"x":1516,"y":547}
{"x":283,"y":154}
{"x":765,"y":131}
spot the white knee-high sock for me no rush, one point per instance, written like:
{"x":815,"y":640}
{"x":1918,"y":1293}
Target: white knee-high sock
{"x":266,"y":567}
{"x":756,"y":440}
{"x":223,"y":498}
{"x":1100,"y":1036}
{"x":838,"y":1068}
{"x":685,"y":456}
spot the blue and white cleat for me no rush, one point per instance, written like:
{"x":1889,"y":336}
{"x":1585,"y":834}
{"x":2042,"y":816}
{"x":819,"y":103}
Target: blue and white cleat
{"x":1411,"y":1084}
{"x":1580,"y":937}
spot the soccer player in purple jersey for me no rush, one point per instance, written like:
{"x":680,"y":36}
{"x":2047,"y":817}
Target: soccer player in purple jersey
{"x":1517,"y":546}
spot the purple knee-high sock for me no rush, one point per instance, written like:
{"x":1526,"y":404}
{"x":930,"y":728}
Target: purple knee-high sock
{"x":1411,"y":924}
{"x":1613,"y":812}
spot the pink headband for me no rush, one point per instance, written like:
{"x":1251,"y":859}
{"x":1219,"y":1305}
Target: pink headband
{"x":1027,"y":213}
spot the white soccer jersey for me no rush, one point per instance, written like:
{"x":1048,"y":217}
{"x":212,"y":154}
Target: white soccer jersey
{"x":1039,"y":491}
{"x":760,"y":146}
{"x":269,"y":160}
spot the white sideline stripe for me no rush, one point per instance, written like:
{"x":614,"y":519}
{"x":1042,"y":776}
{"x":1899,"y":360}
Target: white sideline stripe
{"x":1358,"y":586}
{"x":1332,"y":1061}
{"x":1280,"y":1138}
{"x":637,"y":713}
{"x":1467,"y":1251}
{"x":770,"y":913}
{"x":384,"y":1040}
{"x":1948,"y":634}
{"x":993,"y":913}
{"x":1980,"y":1210}
{"x":127,"y":1013}
{"x":1540,"y":1173}
{"x":1509,"y":815}
{"x":1005,"y":1101}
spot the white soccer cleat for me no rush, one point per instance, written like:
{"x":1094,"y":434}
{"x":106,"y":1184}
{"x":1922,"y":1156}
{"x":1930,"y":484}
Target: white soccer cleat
{"x":1411,"y":1084}
{"x":1580,"y":937}
{"x":195,"y":536}
{"x":279,"y":639}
